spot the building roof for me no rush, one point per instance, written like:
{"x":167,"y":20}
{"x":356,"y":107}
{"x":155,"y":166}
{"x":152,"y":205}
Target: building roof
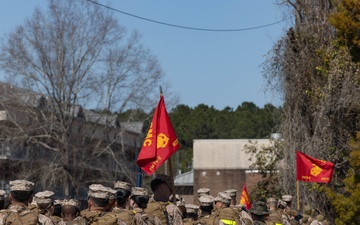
{"x":185,"y":179}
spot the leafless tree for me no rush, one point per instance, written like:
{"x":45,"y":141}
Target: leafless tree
{"x":71,"y":57}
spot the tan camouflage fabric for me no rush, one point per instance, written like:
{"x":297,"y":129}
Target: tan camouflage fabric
{"x":77,"y":221}
{"x":315,"y":222}
{"x":21,"y":210}
{"x":44,"y":220}
{"x":175,"y":216}
{"x":21,"y":185}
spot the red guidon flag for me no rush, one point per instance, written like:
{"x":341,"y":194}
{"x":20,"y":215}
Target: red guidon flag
{"x":310,"y":169}
{"x":160,"y":142}
{"x":245,"y":198}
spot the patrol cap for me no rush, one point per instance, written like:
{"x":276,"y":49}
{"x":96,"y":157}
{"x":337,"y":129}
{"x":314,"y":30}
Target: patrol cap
{"x":203,"y":191}
{"x":307,"y":209}
{"x":2,"y":194}
{"x":223,"y":197}
{"x":112,"y":193}
{"x":286,"y":198}
{"x":271,"y":200}
{"x":320,"y":218}
{"x":231,"y":192}
{"x":259,"y":208}
{"x":206,"y":200}
{"x":71,"y":202}
{"x":139,"y":191}
{"x":44,"y":197}
{"x":21,"y":185}
{"x":160,"y":178}
{"x":191,"y":208}
{"x":98,"y":191}
{"x":122,"y":185}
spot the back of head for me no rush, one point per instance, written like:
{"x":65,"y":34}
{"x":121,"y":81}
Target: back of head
{"x":21,"y":190}
{"x":140,"y":196}
{"x":259,"y":208}
{"x":224,"y":198}
{"x":98,"y":195}
{"x":206,"y":203}
{"x":69,"y":212}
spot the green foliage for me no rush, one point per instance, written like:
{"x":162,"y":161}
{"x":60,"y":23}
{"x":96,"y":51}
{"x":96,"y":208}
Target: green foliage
{"x":204,"y":122}
{"x":346,"y":20}
{"x":267,"y":159}
{"x":347,"y":202}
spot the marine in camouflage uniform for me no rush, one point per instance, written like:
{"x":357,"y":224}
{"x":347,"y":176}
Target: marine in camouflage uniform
{"x":70,"y":210}
{"x":224,"y":212}
{"x":21,"y":192}
{"x":45,"y":204}
{"x":98,"y":203}
{"x":318,"y":220}
{"x":207,"y":213}
{"x":122,"y":202}
{"x":275,"y":215}
{"x":139,"y":199}
{"x":191,"y":214}
{"x":308,"y":215}
{"x":167,"y":212}
{"x":259,"y":212}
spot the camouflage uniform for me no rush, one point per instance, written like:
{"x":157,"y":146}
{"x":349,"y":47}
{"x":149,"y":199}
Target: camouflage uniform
{"x":20,"y":211}
{"x":259,"y":209}
{"x":45,"y":198}
{"x":167,"y":212}
{"x":98,"y":214}
{"x":77,"y":220}
{"x":318,"y":220}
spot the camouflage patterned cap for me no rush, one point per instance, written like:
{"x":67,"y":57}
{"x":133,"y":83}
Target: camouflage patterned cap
{"x":287,"y":198}
{"x":259,"y":208}
{"x":139,"y":191}
{"x":203,"y":191}
{"x":112,"y":193}
{"x":21,"y":185}
{"x":320,"y":218}
{"x":122,"y":185}
{"x":191,"y":208}
{"x":223,"y":197}
{"x":71,"y":202}
{"x":44,"y":197}
{"x":160,"y":178}
{"x":206,"y":200}
{"x":271,"y":200}
{"x":2,"y":194}
{"x":98,"y":191}
{"x":307,"y":209}
{"x":231,"y":192}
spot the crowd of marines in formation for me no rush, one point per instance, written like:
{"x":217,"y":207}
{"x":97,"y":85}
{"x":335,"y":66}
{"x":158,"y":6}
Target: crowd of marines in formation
{"x":124,"y":204}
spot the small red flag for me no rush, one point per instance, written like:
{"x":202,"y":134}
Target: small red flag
{"x":160,"y":143}
{"x":310,"y":169}
{"x":245,"y":198}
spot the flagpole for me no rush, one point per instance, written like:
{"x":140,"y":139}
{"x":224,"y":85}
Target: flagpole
{"x":298,"y":194}
{"x":172,"y":180}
